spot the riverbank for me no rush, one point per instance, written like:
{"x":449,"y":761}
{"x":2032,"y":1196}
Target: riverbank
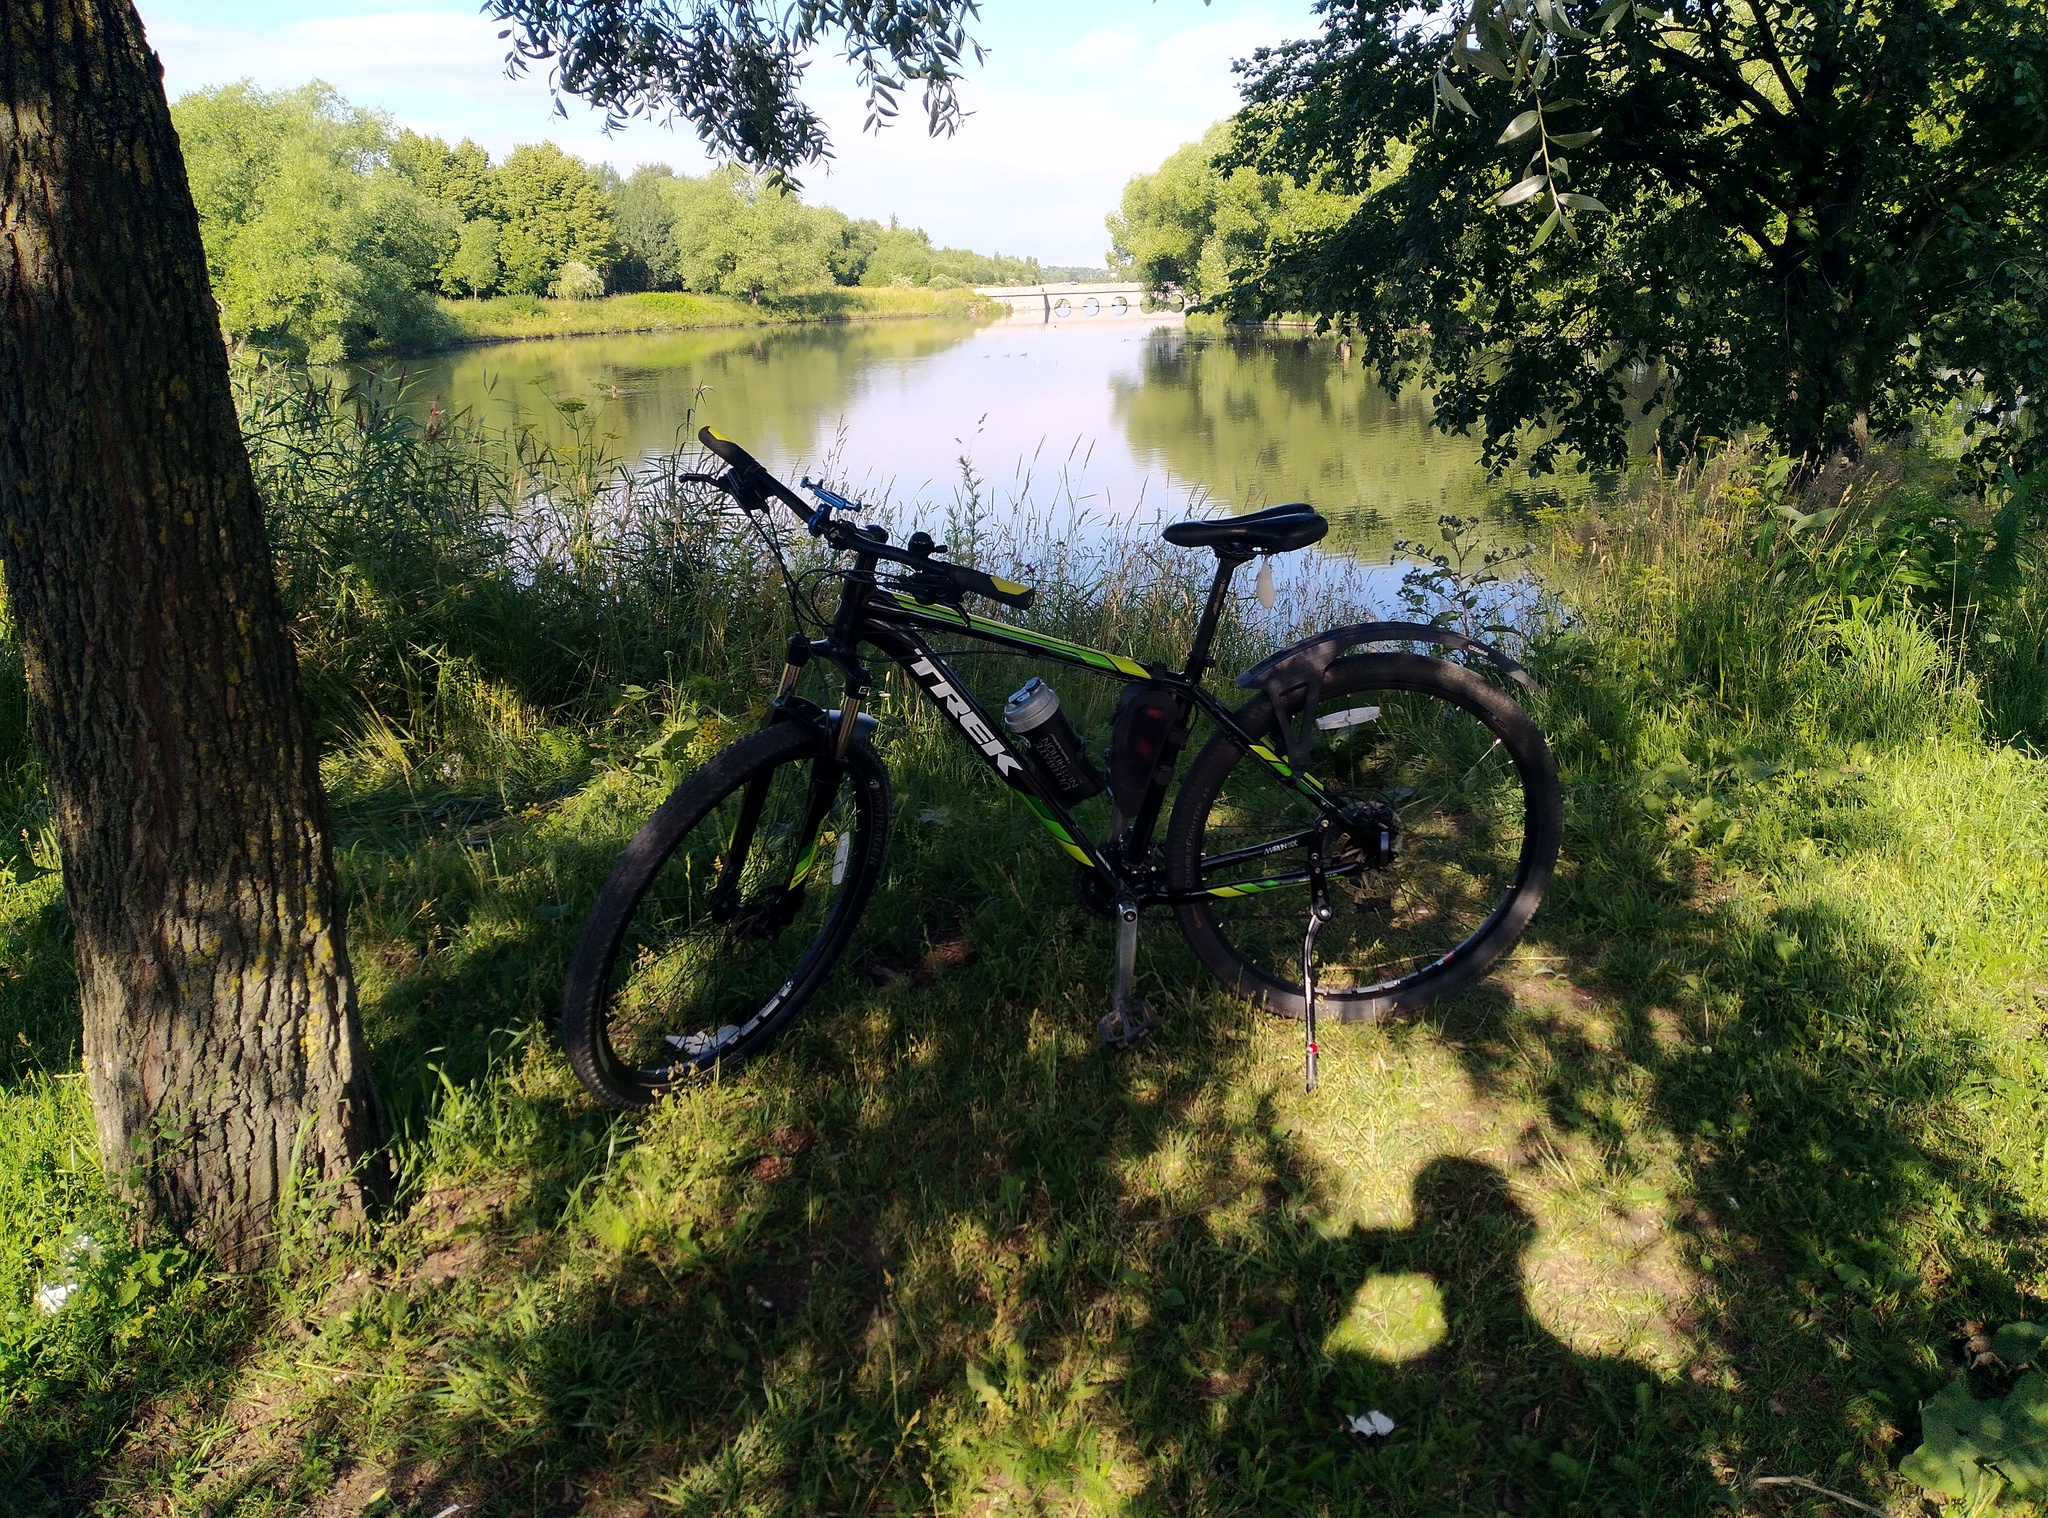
{"x":1692,"y":1191}
{"x":517,"y":318}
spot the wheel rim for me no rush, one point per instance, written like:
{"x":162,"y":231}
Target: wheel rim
{"x":1460,"y":805}
{"x":699,"y":971}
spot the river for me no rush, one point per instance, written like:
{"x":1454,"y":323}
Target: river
{"x":1091,"y":426}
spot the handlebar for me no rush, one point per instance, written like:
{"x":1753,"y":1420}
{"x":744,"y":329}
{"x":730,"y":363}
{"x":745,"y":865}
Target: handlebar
{"x":749,"y":482}
{"x":750,"y":476}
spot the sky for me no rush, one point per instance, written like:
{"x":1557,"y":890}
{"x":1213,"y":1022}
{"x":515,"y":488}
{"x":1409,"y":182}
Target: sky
{"x":1076,"y":96}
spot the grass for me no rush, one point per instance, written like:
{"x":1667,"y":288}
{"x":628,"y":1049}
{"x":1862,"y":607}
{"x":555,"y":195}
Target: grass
{"x":510,"y":318}
{"x":1697,"y":1189}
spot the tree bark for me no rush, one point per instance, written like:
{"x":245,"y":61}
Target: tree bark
{"x":222,"y":1045}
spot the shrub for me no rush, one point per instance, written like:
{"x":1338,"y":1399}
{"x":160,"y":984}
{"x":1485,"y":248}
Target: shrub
{"x":577,"y":281}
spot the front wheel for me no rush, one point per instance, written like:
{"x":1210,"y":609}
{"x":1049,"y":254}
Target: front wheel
{"x":1468,"y":786}
{"x":725,"y":913}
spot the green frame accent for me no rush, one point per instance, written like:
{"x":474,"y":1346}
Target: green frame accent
{"x":1026,"y":642}
{"x":1078,"y":653}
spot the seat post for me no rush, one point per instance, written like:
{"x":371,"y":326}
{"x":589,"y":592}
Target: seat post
{"x":1199,"y":662}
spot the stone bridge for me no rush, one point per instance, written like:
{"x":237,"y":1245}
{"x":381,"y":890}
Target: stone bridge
{"x":1073,"y":301}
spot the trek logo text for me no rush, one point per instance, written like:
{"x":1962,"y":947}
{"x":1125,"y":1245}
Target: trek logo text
{"x":971,"y":724}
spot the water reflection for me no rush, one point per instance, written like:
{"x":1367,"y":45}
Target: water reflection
{"x":1099,"y":422}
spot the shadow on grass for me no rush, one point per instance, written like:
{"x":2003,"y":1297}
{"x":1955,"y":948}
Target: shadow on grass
{"x":39,"y":1024}
{"x":940,"y":1248}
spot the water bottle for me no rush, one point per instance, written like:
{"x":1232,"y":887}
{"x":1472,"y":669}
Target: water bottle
{"x":1041,"y":729}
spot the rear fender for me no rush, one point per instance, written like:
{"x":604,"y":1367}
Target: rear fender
{"x":1302,"y":667}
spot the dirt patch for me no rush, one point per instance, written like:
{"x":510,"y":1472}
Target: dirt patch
{"x":947,"y":950}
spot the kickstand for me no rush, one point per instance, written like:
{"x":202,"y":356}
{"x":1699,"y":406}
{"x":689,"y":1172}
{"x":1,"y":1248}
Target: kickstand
{"x":1319,"y":912}
{"x":1129,"y":1019}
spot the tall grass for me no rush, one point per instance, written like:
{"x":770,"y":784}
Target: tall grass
{"x":1691,"y":1190}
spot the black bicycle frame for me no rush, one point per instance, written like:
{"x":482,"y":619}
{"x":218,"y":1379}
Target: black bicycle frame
{"x":895,"y":624}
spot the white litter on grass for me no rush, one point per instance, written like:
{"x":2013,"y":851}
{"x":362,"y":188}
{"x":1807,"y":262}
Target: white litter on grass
{"x":82,"y":1250}
{"x":1372,"y":1425}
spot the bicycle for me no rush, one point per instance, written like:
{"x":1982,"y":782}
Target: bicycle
{"x":1368,"y":832}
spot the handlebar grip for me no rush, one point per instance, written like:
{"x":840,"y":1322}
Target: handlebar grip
{"x":1008,"y":592}
{"x":753,"y":474}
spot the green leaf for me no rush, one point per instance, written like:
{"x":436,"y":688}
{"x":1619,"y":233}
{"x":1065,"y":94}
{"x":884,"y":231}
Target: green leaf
{"x":2022,"y":1453}
{"x":1482,"y":60}
{"x":1262,"y":1337}
{"x":1450,"y":94}
{"x":978,"y":1380}
{"x":1583,"y":203}
{"x":126,"y":1293}
{"x":1947,"y":1459}
{"x":1569,"y":140}
{"x":2017,"y":1343}
{"x":1565,"y":27}
{"x":1515,"y":194}
{"x":1545,"y":232}
{"x":1522,"y":125}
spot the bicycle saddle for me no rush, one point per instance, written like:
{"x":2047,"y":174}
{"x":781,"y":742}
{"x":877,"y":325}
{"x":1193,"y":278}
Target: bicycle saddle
{"x":1278,"y":529}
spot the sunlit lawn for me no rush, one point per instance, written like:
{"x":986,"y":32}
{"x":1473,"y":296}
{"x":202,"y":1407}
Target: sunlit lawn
{"x":1684,"y":1210}
{"x":1697,"y":1189}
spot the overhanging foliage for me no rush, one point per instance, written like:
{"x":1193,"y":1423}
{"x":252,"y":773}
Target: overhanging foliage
{"x":1827,"y":214}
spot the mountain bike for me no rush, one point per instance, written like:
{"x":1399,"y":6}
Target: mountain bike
{"x":1367,"y":832}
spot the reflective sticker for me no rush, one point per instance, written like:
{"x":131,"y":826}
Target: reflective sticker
{"x":1252,"y":887}
{"x":1356,"y":716}
{"x":839,"y":858}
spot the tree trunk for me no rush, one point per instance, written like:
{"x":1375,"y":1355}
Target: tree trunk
{"x":222,"y":1045}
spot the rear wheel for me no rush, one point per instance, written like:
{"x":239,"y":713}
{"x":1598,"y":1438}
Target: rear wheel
{"x":1450,"y":761}
{"x":725,"y":913}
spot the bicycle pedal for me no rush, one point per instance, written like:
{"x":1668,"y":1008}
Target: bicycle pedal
{"x":1126,"y":1029}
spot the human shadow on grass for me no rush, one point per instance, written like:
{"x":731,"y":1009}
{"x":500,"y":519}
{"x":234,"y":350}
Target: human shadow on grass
{"x":1799,"y":1073}
{"x":913,"y":1252}
{"x":1801,"y":1170}
{"x":916,"y":1250}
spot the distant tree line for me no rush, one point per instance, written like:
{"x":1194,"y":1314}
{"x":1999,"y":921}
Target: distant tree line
{"x":1206,"y":227}
{"x":330,"y":232}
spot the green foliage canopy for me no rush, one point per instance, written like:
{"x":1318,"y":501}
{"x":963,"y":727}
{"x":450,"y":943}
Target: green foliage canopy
{"x":1828,"y":215}
{"x":327,"y":232}
{"x":732,"y":67}
{"x":734,"y":233}
{"x":1205,"y":226}
{"x":555,"y":209}
{"x":315,"y":245}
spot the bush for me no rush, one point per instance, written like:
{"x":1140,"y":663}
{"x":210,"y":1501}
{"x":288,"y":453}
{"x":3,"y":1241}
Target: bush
{"x":577,"y":281}
{"x":316,"y":248}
